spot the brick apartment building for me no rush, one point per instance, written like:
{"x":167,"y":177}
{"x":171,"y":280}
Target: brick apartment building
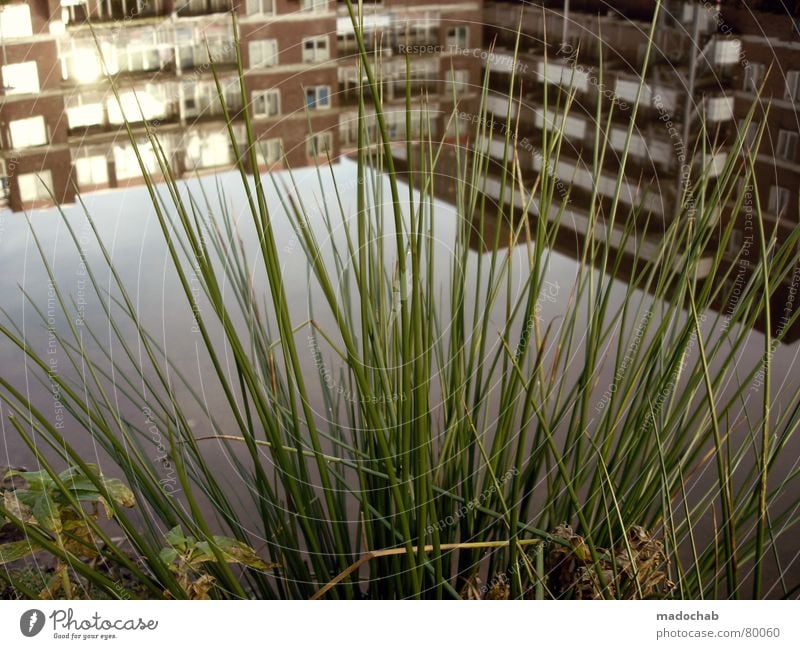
{"x":61,"y":124}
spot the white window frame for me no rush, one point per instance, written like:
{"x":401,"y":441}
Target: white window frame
{"x":786,"y":147}
{"x":91,"y":170}
{"x":749,"y":137}
{"x":15,"y":21}
{"x":199,"y":6}
{"x":263,"y":95}
{"x":323,"y":142}
{"x":753,"y":75}
{"x":792,"y":85}
{"x":38,"y":182}
{"x":30,"y":132}
{"x":458,"y":79}
{"x":458,"y":37}
{"x":779,"y":198}
{"x":207,"y":150}
{"x":126,"y":164}
{"x":21,"y":78}
{"x":263,"y":53}
{"x":260,"y":7}
{"x":86,"y":109}
{"x":273,"y":147}
{"x":321,"y":93}
{"x":736,"y":241}
{"x":315,"y":6}
{"x":316,"y":54}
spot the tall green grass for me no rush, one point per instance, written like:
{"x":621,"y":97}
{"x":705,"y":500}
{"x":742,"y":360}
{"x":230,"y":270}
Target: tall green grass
{"x":476,"y":428}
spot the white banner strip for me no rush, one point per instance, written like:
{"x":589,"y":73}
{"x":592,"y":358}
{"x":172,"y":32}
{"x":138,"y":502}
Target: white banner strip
{"x":386,"y":625}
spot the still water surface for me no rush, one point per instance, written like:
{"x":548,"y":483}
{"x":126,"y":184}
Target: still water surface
{"x":128,"y":226}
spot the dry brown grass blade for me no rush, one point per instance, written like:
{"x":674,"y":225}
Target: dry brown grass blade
{"x":377,"y":554}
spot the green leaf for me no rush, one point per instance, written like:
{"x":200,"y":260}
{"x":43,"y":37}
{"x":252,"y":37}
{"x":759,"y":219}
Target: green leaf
{"x":238,"y":552}
{"x":47,"y":513}
{"x":168,"y":555}
{"x":15,"y":551}
{"x":176,"y":538}
{"x":24,"y":496}
{"x":86,"y":496}
{"x":37,"y":480}
{"x":80,"y":483}
{"x":120,"y":492}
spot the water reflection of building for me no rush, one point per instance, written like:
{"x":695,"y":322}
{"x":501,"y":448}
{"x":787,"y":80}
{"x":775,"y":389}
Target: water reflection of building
{"x":706,"y":60}
{"x":61,"y":124}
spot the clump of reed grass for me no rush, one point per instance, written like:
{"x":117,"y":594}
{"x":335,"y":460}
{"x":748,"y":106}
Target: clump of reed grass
{"x":473,"y":435}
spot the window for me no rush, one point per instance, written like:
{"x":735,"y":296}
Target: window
{"x":138,"y":105}
{"x":792,"y":85}
{"x":15,"y":21}
{"x":195,"y":43}
{"x":126,"y":163}
{"x":202,"y":99}
{"x":778,"y":199}
{"x":21,"y":78}
{"x":749,"y":136}
{"x":260,"y":7}
{"x":346,"y":44}
{"x":458,"y":124}
{"x":266,"y":103}
{"x":269,"y":151}
{"x":206,"y":150}
{"x":315,"y":49}
{"x":787,"y":144}
{"x":264,"y":53}
{"x":457,"y":82}
{"x":719,"y":109}
{"x":28,"y":132}
{"x":85,"y":109}
{"x":35,"y":187}
{"x":319,"y":144}
{"x":458,"y":37}
{"x":91,"y":170}
{"x":140,"y":53}
{"x":196,"y":7}
{"x":735,"y":242}
{"x":80,"y":62}
{"x":318,"y":97}
{"x":753,"y":76}
{"x":418,"y":32}
{"x":313,"y":5}
{"x":349,"y":127}
{"x":395,"y":124}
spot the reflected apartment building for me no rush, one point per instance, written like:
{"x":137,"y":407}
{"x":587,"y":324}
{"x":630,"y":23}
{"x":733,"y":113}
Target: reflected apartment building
{"x":707,"y":60}
{"x":62,"y":125}
{"x":682,"y":79}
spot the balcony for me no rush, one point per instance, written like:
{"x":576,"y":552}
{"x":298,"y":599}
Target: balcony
{"x":95,"y":112}
{"x":4,"y":191}
{"x":76,"y":12}
{"x":348,"y":93}
{"x":190,"y":8}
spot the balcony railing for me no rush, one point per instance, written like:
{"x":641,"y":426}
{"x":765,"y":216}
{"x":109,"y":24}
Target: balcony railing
{"x":79,"y":11}
{"x":189,"y":8}
{"x":4,"y":191}
{"x":348,"y":94}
